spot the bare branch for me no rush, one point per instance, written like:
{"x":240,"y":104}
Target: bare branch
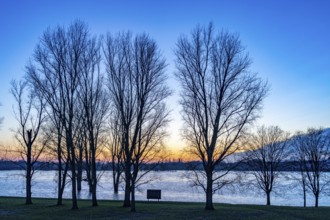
{"x":219,"y":98}
{"x":267,"y":150}
{"x":136,"y":82}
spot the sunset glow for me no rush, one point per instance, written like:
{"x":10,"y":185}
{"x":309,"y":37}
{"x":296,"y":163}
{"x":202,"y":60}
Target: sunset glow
{"x":287,"y":40}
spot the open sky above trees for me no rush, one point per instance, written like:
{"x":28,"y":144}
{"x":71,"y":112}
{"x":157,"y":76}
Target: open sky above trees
{"x":289,"y":42}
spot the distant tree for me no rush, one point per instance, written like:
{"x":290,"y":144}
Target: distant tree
{"x":313,"y":150}
{"x":55,"y":72}
{"x":29,"y":113}
{"x":137,"y":86}
{"x":220,"y":97}
{"x":265,"y":156}
{"x":300,"y":159}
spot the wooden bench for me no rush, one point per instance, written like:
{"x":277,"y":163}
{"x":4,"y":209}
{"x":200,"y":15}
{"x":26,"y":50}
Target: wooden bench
{"x":154,"y":194}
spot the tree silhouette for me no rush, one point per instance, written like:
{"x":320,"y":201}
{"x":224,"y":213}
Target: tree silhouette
{"x":55,"y":72}
{"x":116,"y":149}
{"x":94,"y":104}
{"x":55,"y":130}
{"x":313,"y":150}
{"x":29,"y":114}
{"x":219,"y":99}
{"x":265,"y":155}
{"x":137,"y":86}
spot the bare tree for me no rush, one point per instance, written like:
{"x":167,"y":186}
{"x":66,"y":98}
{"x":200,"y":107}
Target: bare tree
{"x":137,"y":88}
{"x":55,"y":72}
{"x":265,"y":156}
{"x":298,"y":160}
{"x":116,"y":150}
{"x":150,"y":149}
{"x":219,"y":99}
{"x":30,"y":116}
{"x":54,"y":128}
{"x":313,"y":150}
{"x":118,"y":63}
{"x":94,"y":103}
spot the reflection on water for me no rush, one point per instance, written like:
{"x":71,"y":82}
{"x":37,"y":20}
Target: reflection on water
{"x":174,"y":185}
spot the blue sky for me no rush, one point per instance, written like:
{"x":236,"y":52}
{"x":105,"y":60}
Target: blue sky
{"x":289,"y":42}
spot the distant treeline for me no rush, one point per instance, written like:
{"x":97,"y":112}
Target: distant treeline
{"x":165,"y":166}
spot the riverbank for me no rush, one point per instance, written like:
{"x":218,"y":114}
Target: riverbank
{"x":14,"y":208}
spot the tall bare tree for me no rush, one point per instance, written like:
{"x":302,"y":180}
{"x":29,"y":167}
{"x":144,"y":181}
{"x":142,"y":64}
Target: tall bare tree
{"x":136,"y":73}
{"x":220,"y":97}
{"x":55,"y":72}
{"x":94,"y":103}
{"x":313,"y":150}
{"x":29,"y":114}
{"x":267,"y":150}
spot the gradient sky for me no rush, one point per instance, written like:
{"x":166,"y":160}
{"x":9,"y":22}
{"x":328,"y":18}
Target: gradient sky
{"x":288,"y":40}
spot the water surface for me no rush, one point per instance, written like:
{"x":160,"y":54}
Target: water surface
{"x":175,"y":186}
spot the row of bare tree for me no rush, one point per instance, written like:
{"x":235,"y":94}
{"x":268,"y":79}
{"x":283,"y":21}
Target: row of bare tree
{"x":271,"y":151}
{"x":221,"y":98}
{"x":83,"y":94}
{"x":68,"y":107}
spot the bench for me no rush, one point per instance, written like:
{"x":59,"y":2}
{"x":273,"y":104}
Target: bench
{"x":154,"y":194}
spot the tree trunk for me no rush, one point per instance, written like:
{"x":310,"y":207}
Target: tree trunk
{"x":304,"y":195}
{"x":59,"y":194}
{"x":59,"y":173}
{"x":79,"y":168}
{"x":115,"y":175}
{"x":268,"y":198}
{"x":63,"y":180}
{"x":209,"y":191}
{"x":115,"y":187}
{"x":28,"y":199}
{"x":116,"y":182}
{"x":71,"y":149}
{"x":304,"y":187}
{"x":133,"y":209}
{"x":317,"y":193}
{"x":127,"y":202}
{"x":88,"y":170}
{"x":94,"y":177}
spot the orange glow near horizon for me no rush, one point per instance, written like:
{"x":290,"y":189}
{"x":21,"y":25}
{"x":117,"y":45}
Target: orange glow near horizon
{"x":9,"y":151}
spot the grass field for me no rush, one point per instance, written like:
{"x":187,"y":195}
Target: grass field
{"x":14,"y":208}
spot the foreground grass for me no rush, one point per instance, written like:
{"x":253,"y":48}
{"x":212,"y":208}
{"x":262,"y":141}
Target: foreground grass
{"x":14,"y":208}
